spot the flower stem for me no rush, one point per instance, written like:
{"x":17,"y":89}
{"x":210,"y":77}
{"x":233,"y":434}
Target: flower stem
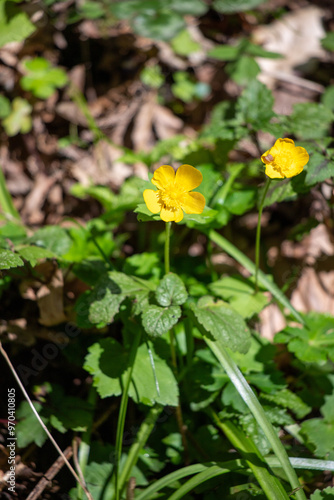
{"x":179,"y":418}
{"x":258,"y":233}
{"x":122,"y":413}
{"x":167,"y":247}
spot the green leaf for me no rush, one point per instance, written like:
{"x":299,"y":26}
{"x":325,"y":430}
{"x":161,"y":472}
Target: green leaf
{"x":257,"y":51}
{"x":319,"y":168}
{"x":243,"y":70}
{"x":41,"y":79}
{"x":278,"y":191}
{"x":33,"y":254}
{"x":69,"y":412}
{"x":160,"y":25}
{"x":9,"y":259}
{"x":223,"y":323}
{"x":159,"y":320}
{"x":327,"y":98}
{"x":145,"y":383}
{"x":239,"y":202}
{"x":91,"y":10}
{"x":86,"y":240}
{"x":143,"y":264}
{"x":152,"y":76}
{"x":232,"y":6}
{"x":211,"y":180}
{"x":258,"y":359}
{"x":183,"y":44}
{"x":28,"y":429}
{"x":90,"y":270}
{"x":187,"y":7}
{"x":320,"y":434}
{"x":100,"y":306}
{"x":240,"y":294}
{"x":104,"y":302}
{"x":19,"y":119}
{"x":205,"y":218}
{"x":315,"y":342}
{"x":107,"y":361}
{"x":125,"y":9}
{"x":264,"y":280}
{"x":171,"y":291}
{"x":109,"y":293}
{"x":310,"y":120}
{"x":255,"y":104}
{"x":13,"y":231}
{"x":53,"y":238}
{"x":224,"y":52}
{"x":289,"y":400}
{"x":144,"y":213}
{"x":184,"y":87}
{"x":328,"y":41}
{"x":15,"y":25}
{"x":4,"y":106}
{"x":325,"y":494}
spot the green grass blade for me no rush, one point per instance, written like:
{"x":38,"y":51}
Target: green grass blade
{"x":263,"y":279}
{"x":270,"y":484}
{"x":184,"y":472}
{"x":6,"y":202}
{"x":197,"y":480}
{"x":141,"y":438}
{"x":303,"y":463}
{"x":258,"y":412}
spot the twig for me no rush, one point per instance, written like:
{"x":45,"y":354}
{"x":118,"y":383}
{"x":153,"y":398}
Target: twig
{"x":53,"y":441}
{"x":49,"y":475}
{"x":296,"y":80}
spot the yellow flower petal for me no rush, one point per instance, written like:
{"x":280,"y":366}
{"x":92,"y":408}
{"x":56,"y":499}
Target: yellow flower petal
{"x":163,"y":176}
{"x":188,"y":177}
{"x":273,"y":173}
{"x":170,"y":214}
{"x":193,"y":203}
{"x":284,"y":159}
{"x":151,"y":199}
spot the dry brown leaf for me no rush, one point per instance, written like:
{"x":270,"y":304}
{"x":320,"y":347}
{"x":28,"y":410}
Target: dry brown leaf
{"x":51,"y":302}
{"x":34,"y":201}
{"x":319,"y":242}
{"x":166,"y":123}
{"x":100,"y":166}
{"x":142,"y":133}
{"x":272,"y":321}
{"x":314,"y":292}
{"x":297,"y":37}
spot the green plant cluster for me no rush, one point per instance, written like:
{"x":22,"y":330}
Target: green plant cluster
{"x":207,"y":396}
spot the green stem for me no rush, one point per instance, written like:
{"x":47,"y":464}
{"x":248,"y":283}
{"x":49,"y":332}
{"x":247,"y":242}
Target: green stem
{"x":122,"y":413}
{"x":258,"y":232}
{"x":167,"y":247}
{"x":6,"y":202}
{"x":141,"y":438}
{"x":258,"y":412}
{"x":240,"y":257}
{"x":84,"y":449}
{"x":270,"y":484}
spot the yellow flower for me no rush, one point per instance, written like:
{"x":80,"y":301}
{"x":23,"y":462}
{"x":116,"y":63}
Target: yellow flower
{"x":284,"y":159}
{"x":173,"y":195}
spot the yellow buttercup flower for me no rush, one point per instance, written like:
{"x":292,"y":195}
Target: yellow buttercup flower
{"x":175,"y":195}
{"x":284,"y":159}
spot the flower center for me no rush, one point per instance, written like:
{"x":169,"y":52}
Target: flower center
{"x":282,"y":162}
{"x":171,"y":197}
